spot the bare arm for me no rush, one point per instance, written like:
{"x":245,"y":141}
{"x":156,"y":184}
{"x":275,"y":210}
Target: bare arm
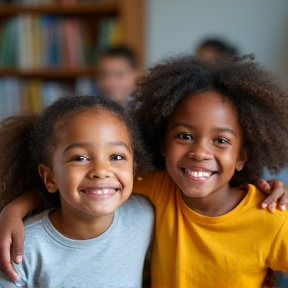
{"x":12,"y":230}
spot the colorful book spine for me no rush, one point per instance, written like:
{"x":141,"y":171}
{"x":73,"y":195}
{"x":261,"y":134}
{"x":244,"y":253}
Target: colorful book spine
{"x":32,"y":95}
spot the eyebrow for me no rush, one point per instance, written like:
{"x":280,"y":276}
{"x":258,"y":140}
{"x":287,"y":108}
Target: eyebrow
{"x":225,"y":129}
{"x":217,"y":129}
{"x":120,"y":143}
{"x":181,"y":124}
{"x":87,"y":144}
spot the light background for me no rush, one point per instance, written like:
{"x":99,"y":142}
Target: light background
{"x":258,"y":26}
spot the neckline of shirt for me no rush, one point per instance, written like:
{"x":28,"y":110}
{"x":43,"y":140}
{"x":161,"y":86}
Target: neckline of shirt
{"x":239,"y":209}
{"x":79,"y":244}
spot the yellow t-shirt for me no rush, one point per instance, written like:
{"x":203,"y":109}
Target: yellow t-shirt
{"x":194,"y":251}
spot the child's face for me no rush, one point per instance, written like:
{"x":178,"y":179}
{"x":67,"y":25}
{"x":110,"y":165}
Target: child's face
{"x":203,"y":144}
{"x":92,"y":164}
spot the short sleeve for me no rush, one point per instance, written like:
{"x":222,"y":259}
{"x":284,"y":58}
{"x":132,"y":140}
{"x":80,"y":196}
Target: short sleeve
{"x":150,"y":185}
{"x":278,"y":257}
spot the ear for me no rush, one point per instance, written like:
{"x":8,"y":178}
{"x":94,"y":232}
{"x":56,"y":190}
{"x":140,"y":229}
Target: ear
{"x":48,"y":178}
{"x":242,"y":159}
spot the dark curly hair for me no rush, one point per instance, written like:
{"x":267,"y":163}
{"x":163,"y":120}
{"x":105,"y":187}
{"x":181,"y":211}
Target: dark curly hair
{"x":28,"y":140}
{"x":261,"y":104}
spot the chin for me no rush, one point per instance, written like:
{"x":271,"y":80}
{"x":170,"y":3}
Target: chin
{"x":197,"y":195}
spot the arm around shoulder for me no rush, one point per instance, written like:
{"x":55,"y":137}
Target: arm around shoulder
{"x":12,"y":229}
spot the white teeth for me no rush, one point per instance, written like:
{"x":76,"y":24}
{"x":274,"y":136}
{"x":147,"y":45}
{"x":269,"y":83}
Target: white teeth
{"x":198,"y":174}
{"x":104,"y":191}
{"x":99,"y":191}
{"x":96,"y":192}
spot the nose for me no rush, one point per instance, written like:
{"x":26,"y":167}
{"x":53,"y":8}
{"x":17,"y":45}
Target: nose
{"x":198,"y":150}
{"x":99,"y":170}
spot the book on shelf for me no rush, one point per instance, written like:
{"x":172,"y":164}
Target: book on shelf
{"x":9,"y":97}
{"x":18,"y":95}
{"x":8,"y":44}
{"x":110,"y":33}
{"x":39,"y":42}
{"x":30,"y":41}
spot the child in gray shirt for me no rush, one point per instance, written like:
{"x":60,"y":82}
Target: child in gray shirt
{"x":83,"y":148}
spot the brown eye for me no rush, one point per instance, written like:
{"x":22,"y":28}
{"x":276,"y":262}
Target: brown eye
{"x":81,"y":158}
{"x":185,"y":136}
{"x":222,"y":141}
{"x":117,"y":157}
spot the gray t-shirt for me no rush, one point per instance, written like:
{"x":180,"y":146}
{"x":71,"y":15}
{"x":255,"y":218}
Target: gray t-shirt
{"x":113,"y":259}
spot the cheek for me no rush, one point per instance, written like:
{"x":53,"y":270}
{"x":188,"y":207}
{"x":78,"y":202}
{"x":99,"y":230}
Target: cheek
{"x":230,"y":158}
{"x":173,"y":154}
{"x":174,"y":151}
{"x":68,"y":177}
{"x":126,"y":175}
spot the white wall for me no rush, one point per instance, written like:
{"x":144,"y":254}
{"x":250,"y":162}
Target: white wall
{"x":258,"y":26}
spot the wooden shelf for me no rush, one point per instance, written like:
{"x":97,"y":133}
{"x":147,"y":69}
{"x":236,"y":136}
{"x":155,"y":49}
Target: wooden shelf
{"x":58,"y":74}
{"x":101,"y":7}
{"x":130,"y":13}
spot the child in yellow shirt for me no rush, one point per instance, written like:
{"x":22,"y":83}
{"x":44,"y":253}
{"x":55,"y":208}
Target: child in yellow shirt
{"x":217,"y":126}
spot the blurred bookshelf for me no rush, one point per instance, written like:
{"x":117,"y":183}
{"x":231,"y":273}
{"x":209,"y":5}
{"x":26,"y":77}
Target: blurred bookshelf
{"x":49,"y":48}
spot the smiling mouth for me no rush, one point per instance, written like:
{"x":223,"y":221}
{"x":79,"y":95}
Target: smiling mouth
{"x":203,"y":174}
{"x":104,"y":191}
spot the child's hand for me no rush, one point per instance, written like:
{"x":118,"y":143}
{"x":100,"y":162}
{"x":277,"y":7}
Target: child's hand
{"x":11,"y":241}
{"x":277,"y":191}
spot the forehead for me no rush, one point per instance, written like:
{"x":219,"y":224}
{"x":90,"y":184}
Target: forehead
{"x":209,"y":106}
{"x":112,"y":63}
{"x":99,"y":126}
{"x":208,"y":52}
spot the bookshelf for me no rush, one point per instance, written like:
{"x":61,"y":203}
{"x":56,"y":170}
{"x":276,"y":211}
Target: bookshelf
{"x":88,"y":15}
{"x":99,"y":7}
{"x":55,"y":74}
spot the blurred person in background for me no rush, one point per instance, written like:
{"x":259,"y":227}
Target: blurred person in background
{"x":117,"y":70}
{"x":212,"y":48}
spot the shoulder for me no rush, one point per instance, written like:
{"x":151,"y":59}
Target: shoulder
{"x":155,"y":176}
{"x":152,"y":184}
{"x":255,"y":195}
{"x":137,"y":204}
{"x":135,"y":223}
{"x":36,"y":220}
{"x":254,"y":200}
{"x":137,"y":211}
{"x":35,"y":225}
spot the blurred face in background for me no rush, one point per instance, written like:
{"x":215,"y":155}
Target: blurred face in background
{"x":116,"y":78}
{"x":208,"y":53}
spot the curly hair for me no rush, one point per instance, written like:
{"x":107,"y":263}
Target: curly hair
{"x":261,"y":104}
{"x":28,"y":140}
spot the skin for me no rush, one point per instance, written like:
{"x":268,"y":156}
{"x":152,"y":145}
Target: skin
{"x":116,"y":78}
{"x":92,"y":167}
{"x":208,"y":53}
{"x":203,"y":148}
